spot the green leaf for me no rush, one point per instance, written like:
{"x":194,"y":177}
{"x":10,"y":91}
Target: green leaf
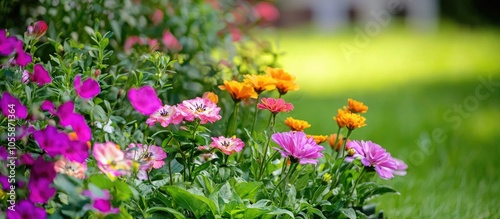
{"x":279,"y":211}
{"x":369,"y":190}
{"x":248,"y":190}
{"x":101,"y":181}
{"x":348,"y":212}
{"x":123,"y":191}
{"x":197,"y":204}
{"x":176,"y":214}
{"x":316,"y":212}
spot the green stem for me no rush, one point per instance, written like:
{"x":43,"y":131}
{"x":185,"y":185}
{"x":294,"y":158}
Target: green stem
{"x":357,"y":181}
{"x":336,"y":141}
{"x":345,"y":142}
{"x":232,"y":122}
{"x":266,"y":148}
{"x":281,"y":181}
{"x":255,"y":115}
{"x":170,"y":172}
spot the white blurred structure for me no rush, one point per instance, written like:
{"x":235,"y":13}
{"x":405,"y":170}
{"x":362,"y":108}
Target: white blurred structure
{"x":329,"y":15}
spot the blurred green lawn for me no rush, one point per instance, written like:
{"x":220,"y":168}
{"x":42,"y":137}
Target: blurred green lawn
{"x":411,"y":82}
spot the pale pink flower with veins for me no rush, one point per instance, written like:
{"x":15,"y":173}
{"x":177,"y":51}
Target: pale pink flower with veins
{"x":148,"y":156}
{"x":111,"y":160}
{"x":70,"y":168}
{"x":200,"y":108}
{"x":165,"y":116}
{"x":228,"y":146}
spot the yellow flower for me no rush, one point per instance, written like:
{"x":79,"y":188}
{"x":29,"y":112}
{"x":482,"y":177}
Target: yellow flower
{"x":238,"y":90}
{"x":356,"y":106}
{"x":261,"y":83}
{"x":296,"y":124}
{"x":284,"y":81}
{"x":211,"y":96}
{"x":350,"y":120}
{"x":318,"y":138}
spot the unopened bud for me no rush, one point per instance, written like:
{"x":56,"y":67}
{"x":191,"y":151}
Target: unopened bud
{"x":38,"y":29}
{"x":97,"y":72}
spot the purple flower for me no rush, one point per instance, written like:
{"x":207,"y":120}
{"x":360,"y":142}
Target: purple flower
{"x":101,"y":202}
{"x":51,"y":140}
{"x":67,"y":117}
{"x":7,"y":43}
{"x":26,"y":209}
{"x":22,"y":57}
{"x":88,"y":89}
{"x":12,"y":107}
{"x":144,"y":100}
{"x":41,"y":176}
{"x":76,"y":151}
{"x":64,"y":112}
{"x":373,"y":155}
{"x":40,"y":75}
{"x":298,"y":147}
{"x":48,"y":106}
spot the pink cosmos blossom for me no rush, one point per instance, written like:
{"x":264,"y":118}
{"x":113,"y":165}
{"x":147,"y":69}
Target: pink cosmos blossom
{"x":228,"y":146}
{"x":266,"y":11}
{"x":298,"y":147}
{"x":88,"y":89}
{"x":149,"y":157}
{"x":144,"y":99}
{"x":12,"y":107}
{"x":40,"y":75}
{"x":101,"y":201}
{"x":41,"y":176}
{"x":170,"y":41}
{"x":26,"y":209}
{"x":38,"y":29}
{"x":275,"y":105}
{"x":111,"y":160}
{"x":373,"y":155}
{"x":165,"y":116}
{"x":200,"y":108}
{"x":70,"y":168}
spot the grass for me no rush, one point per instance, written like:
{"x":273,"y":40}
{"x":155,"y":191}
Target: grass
{"x":412,"y":83}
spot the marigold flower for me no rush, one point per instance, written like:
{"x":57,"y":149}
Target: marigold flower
{"x":275,"y":105}
{"x":298,"y":147}
{"x":331,"y":141}
{"x":70,"y":168}
{"x":296,"y":124}
{"x":111,"y":160}
{"x":148,"y":156}
{"x":165,"y":116}
{"x":228,"y":146}
{"x":356,"y":106}
{"x":284,"y":81}
{"x":318,"y":138}
{"x":238,"y":90}
{"x":261,"y":83}
{"x":200,"y":108}
{"x":211,"y":96}
{"x":349,"y":120}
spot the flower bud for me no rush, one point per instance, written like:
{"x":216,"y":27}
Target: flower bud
{"x":350,"y":152}
{"x":327,"y":178}
{"x":38,"y":29}
{"x":97,"y":72}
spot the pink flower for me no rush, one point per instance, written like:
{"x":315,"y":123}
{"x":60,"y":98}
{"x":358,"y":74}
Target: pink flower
{"x":25,"y":78}
{"x":111,"y":160}
{"x":200,"y":108}
{"x":157,"y":17}
{"x":47,"y":105}
{"x":165,"y":116}
{"x":7,"y":43}
{"x":51,"y":141}
{"x":26,"y":209}
{"x":40,"y":75}
{"x":170,"y":41}
{"x":70,"y":168}
{"x":298,"y":147}
{"x":38,"y":29}
{"x":149,"y":157}
{"x":373,"y":155}
{"x":100,"y":201}
{"x":88,"y":89}
{"x":228,"y":146}
{"x":22,"y":57}
{"x":67,"y":117}
{"x":144,"y":100}
{"x":275,"y":105}
{"x":41,"y":176}
{"x":137,"y":40}
{"x":12,"y":107}
{"x":235,"y":33}
{"x":266,"y":11}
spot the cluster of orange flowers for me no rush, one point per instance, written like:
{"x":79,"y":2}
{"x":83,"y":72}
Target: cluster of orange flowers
{"x":349,"y":117}
{"x":253,"y":85}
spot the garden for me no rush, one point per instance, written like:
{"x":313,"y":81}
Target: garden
{"x":201,"y":109}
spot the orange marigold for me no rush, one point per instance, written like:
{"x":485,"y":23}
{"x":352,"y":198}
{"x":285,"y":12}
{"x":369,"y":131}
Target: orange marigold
{"x":239,"y":90}
{"x":284,"y":81}
{"x":261,"y":83}
{"x":296,"y":124}
{"x":350,"y":120}
{"x":356,"y":106}
{"x":318,"y":138}
{"x":340,"y":142}
{"x":211,"y":96}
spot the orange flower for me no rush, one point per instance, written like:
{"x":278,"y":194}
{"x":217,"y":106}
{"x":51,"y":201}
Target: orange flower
{"x":318,"y":138}
{"x":261,"y":83}
{"x":350,"y":120}
{"x":284,"y":81}
{"x":211,"y":96}
{"x":356,"y":106}
{"x":296,"y":124}
{"x":340,"y":142}
{"x":238,"y":90}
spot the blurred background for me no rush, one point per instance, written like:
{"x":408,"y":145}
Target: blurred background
{"x":430,"y":73}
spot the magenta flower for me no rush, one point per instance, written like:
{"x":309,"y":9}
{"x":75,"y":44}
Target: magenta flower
{"x":22,"y":57}
{"x":111,"y":160}
{"x":77,"y":151}
{"x":48,"y":106}
{"x":41,"y":176}
{"x":275,"y":105}
{"x":11,"y":107}
{"x":40,"y":75}
{"x":67,"y":117}
{"x":200,"y":108}
{"x":266,"y":11}
{"x":228,"y":146}
{"x":7,"y":43}
{"x":51,"y":140}
{"x":373,"y":155}
{"x":26,"y":209}
{"x":298,"y":147}
{"x":165,"y":116}
{"x":88,"y":89}
{"x":64,"y":112}
{"x":149,"y":157}
{"x":144,"y":100}
{"x":101,"y":202}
